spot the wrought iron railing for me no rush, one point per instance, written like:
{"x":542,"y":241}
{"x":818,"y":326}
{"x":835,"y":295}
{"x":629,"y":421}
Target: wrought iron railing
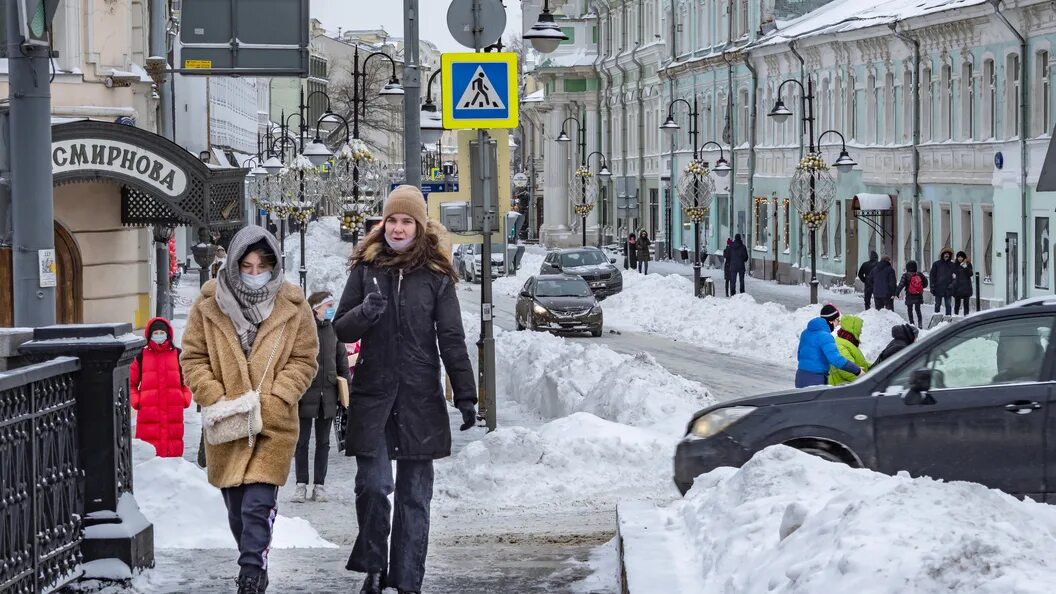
{"x":40,"y":480}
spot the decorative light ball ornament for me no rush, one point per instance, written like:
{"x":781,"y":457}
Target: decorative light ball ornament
{"x":812,"y":211}
{"x":582,"y":196}
{"x":583,"y":172}
{"x":696,"y":190}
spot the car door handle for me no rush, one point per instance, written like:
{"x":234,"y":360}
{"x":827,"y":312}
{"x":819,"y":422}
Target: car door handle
{"x":1022,"y":407}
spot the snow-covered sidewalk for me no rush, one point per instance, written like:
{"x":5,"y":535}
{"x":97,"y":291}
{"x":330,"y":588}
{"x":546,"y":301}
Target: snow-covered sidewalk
{"x":790,"y":522}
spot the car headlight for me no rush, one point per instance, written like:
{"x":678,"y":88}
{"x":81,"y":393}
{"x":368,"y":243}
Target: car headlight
{"x":718,"y":420}
{"x":596,"y":309}
{"x":539,"y":309}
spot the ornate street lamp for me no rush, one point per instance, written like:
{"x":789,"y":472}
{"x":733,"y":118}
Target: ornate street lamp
{"x":545,"y":35}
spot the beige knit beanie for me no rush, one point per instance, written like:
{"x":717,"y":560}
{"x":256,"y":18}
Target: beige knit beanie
{"x":407,"y":200}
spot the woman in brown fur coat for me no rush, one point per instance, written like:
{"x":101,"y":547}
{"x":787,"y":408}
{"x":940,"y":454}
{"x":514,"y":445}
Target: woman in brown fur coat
{"x":250,"y":344}
{"x":401,"y":300}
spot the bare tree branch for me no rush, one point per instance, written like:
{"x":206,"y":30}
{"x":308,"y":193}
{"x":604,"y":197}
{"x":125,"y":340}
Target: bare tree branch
{"x":375,"y":113}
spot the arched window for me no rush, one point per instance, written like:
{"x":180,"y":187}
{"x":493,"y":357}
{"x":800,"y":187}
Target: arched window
{"x":968,"y":101}
{"x":1012,"y":123}
{"x":926,"y":100}
{"x":888,"y":94}
{"x":946,"y":107}
{"x":989,"y":100}
{"x":852,"y":108}
{"x":1043,"y":112}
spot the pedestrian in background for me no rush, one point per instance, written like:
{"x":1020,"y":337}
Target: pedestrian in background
{"x":738,"y":263}
{"x":401,"y":300}
{"x":318,"y":406}
{"x":684,"y":252}
{"x":863,"y":275}
{"x":848,"y":342}
{"x":630,"y":253}
{"x":818,"y":353}
{"x":883,"y":277}
{"x":249,"y":353}
{"x":963,"y":276}
{"x":942,"y":278}
{"x":914,"y":283}
{"x":727,"y":271}
{"x":644,"y":256}
{"x":219,"y":260}
{"x":158,"y":392}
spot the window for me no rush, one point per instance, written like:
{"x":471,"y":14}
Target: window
{"x":1001,"y":352}
{"x":823,"y":232}
{"x":945,"y":227}
{"x":889,"y":111}
{"x":946,"y":113}
{"x":1042,"y":100}
{"x":925,"y":230}
{"x":907,"y":247}
{"x":871,"y":109}
{"x":990,"y":104}
{"x":786,"y":235}
{"x":762,"y":223}
{"x":968,"y":101}
{"x":908,"y":103}
{"x":926,"y":99}
{"x":1041,"y":252}
{"x":742,"y":124}
{"x":855,"y":103}
{"x":743,"y":17}
{"x":988,"y":242}
{"x":967,"y":232}
{"x":1012,"y":96}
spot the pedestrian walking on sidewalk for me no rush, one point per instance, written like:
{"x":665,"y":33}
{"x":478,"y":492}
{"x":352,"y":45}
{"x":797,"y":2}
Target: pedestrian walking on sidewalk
{"x":158,"y":391}
{"x":913,"y":283}
{"x":249,"y":353}
{"x":684,"y":252}
{"x":318,"y":406}
{"x":630,"y":253}
{"x":738,"y":259}
{"x":863,"y":275}
{"x":848,"y":341}
{"x":401,"y":301}
{"x":942,"y":278}
{"x":963,"y":275}
{"x":644,"y":256}
{"x":884,"y":284}
{"x":818,"y":352}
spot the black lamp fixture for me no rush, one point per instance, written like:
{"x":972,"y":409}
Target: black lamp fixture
{"x":545,"y":35}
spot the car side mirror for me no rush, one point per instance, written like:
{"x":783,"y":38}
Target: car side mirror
{"x":525,"y":294}
{"x":920,"y":382}
{"x":612,"y":260}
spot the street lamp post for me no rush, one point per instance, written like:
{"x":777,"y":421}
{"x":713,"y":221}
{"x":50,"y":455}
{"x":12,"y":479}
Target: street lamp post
{"x":603,"y":177}
{"x":581,"y":131}
{"x":808,"y":172}
{"x":670,"y":127}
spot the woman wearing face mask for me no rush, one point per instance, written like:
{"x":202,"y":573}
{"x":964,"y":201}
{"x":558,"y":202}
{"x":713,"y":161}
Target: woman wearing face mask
{"x":249,"y":353}
{"x":158,"y":392}
{"x":319,"y":404}
{"x":401,"y":300}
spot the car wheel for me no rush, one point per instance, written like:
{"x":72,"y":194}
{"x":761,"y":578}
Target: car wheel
{"x":823,"y":453}
{"x":596,"y":333}
{"x":517,"y":323}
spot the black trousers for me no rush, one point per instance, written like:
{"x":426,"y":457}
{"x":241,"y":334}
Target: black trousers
{"x":911,"y":307}
{"x":884,"y":303}
{"x":940,"y":300}
{"x":868,"y":298}
{"x":404,"y":560}
{"x":322,"y":449}
{"x":957,"y":301}
{"x":739,"y":277}
{"x":251,"y":511}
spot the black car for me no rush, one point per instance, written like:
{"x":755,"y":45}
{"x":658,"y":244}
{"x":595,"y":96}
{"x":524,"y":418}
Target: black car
{"x":589,"y":263}
{"x":971,"y":402}
{"x":558,"y":303}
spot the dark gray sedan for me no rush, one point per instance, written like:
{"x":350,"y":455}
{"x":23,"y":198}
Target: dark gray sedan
{"x":558,"y":303}
{"x":970,"y":402}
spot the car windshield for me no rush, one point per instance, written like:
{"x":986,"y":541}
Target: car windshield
{"x":582,"y":258}
{"x":562,"y":288}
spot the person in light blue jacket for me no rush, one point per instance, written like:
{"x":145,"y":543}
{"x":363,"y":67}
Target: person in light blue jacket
{"x":818,"y":351}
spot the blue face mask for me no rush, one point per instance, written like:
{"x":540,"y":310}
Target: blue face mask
{"x":256,"y":281}
{"x":329,"y":313}
{"x":159,"y":338}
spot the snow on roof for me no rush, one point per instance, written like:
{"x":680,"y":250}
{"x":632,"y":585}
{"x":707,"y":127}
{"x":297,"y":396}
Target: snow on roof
{"x":536,"y":97}
{"x":579,"y":57}
{"x":849,"y":15}
{"x":868,"y":201}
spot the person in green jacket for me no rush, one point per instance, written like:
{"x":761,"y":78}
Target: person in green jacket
{"x":848,"y":339}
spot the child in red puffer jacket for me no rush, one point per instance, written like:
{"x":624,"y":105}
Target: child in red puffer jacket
{"x":158,"y":391}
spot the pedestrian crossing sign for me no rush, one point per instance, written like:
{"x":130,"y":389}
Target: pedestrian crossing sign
{"x":479,"y":90}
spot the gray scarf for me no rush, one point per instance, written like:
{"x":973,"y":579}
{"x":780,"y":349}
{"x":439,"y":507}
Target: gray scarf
{"x":247,"y":307}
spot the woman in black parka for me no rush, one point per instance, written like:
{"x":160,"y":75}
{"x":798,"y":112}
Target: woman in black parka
{"x":401,"y":301}
{"x":318,"y":406}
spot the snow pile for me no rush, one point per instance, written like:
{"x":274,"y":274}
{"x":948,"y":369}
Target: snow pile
{"x":326,"y":254}
{"x":573,"y":463}
{"x":558,"y":376}
{"x":805,"y":525}
{"x":189,"y":513}
{"x":530,"y":264}
{"x":665,"y":305}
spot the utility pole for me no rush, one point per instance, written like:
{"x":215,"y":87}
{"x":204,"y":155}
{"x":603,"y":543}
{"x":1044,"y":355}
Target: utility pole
{"x":486,"y":310}
{"x":32,"y":198}
{"x":159,"y":51}
{"x":412,"y":93}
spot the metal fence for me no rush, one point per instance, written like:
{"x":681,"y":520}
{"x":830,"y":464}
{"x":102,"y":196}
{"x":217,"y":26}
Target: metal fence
{"x":40,"y":479}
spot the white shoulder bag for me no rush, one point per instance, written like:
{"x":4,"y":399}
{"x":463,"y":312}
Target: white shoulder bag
{"x":238,"y":418}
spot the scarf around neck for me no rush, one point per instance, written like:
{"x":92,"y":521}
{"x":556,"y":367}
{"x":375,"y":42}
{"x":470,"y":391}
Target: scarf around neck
{"x":245,"y":306}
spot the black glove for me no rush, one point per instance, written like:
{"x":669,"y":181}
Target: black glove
{"x":373,"y":306}
{"x":469,"y":414}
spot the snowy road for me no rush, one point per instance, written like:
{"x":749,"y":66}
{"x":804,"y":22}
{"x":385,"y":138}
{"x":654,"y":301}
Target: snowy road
{"x":726,"y":376}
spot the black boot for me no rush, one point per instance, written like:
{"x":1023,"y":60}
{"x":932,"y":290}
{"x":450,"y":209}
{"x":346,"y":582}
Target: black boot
{"x":374,"y":584}
{"x":253,"y":582}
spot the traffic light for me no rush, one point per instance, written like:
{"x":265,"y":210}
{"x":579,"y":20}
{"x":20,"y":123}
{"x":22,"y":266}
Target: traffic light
{"x":34,"y":20}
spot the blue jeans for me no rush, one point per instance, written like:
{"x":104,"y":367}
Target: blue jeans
{"x":810,"y":378}
{"x":404,"y":561}
{"x":943,"y":299}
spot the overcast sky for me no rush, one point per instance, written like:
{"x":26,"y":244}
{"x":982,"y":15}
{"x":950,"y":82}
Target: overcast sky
{"x":372,"y":14}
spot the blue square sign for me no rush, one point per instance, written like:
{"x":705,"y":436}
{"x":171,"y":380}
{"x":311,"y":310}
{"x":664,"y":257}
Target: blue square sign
{"x":480,"y":90}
